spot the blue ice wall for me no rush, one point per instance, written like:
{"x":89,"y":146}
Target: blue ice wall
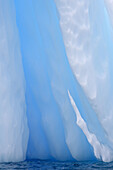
{"x":43,"y":114}
{"x":48,"y":76}
{"x":56,"y":80}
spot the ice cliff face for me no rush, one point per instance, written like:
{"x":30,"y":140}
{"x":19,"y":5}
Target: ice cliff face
{"x":13,"y":120}
{"x":56,"y":82}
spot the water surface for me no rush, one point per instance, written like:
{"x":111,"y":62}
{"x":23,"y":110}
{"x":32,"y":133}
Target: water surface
{"x":39,"y":164}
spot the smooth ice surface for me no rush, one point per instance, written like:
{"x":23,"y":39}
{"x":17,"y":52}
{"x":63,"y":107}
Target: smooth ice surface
{"x":56,"y":82}
{"x":54,"y":132}
{"x":13,"y":121}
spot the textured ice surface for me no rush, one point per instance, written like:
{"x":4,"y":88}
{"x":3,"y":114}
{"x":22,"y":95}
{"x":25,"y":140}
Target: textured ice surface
{"x":56,"y":83}
{"x":86,"y":30}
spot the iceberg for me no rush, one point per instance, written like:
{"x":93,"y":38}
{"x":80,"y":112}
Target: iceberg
{"x":56,"y":82}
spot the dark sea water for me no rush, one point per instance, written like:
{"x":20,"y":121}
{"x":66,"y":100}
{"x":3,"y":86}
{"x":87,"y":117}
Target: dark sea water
{"x":37,"y":164}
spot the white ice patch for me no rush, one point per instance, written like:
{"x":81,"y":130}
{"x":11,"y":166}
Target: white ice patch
{"x":101,"y":151}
